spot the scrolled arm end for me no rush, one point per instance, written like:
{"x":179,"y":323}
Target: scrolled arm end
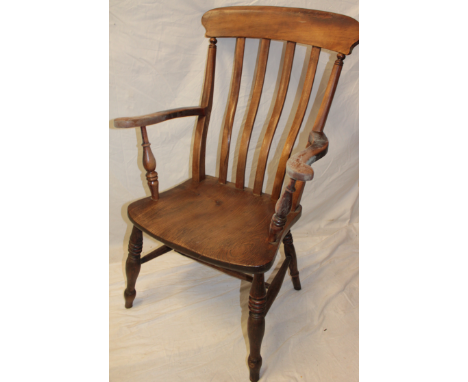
{"x":298,"y":168}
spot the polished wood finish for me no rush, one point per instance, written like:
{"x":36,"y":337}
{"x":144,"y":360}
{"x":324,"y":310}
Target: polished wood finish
{"x":156,"y":253}
{"x":297,"y":196}
{"x":256,"y":324}
{"x":199,"y":144}
{"x":228,"y":227}
{"x":282,"y":210}
{"x":329,"y":94}
{"x":276,"y":284}
{"x":326,"y":30}
{"x":149,"y":163}
{"x":275,"y":116}
{"x":297,"y":122}
{"x":298,"y":167}
{"x":237,"y":275}
{"x":218,"y":224}
{"x":231,"y":109}
{"x":291,"y":251}
{"x":160,"y":116}
{"x":133,"y":265}
{"x":252,"y":113}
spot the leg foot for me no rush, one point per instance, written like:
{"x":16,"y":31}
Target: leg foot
{"x":256,"y":324}
{"x":133,"y":265}
{"x":290,"y":251}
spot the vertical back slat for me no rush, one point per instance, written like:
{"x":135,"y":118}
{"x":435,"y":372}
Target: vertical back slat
{"x":231,"y":109}
{"x":252,"y":113}
{"x":278,"y":108}
{"x":199,"y":144}
{"x":296,"y":125}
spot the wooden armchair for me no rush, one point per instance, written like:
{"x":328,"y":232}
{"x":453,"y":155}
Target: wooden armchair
{"x":231,"y":228}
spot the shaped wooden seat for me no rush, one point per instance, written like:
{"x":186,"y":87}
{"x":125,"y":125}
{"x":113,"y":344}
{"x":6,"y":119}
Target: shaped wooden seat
{"x":222,"y":224}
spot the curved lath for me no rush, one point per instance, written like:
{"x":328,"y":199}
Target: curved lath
{"x":231,"y":109}
{"x":297,"y":122}
{"x":275,"y":116}
{"x":252,"y":113}
{"x":316,"y":28}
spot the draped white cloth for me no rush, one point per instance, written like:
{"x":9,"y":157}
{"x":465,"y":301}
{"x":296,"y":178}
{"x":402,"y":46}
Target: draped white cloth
{"x":189,"y":321}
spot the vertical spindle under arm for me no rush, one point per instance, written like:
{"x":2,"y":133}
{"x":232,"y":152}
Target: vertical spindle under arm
{"x":282,"y":209}
{"x":149,"y":163}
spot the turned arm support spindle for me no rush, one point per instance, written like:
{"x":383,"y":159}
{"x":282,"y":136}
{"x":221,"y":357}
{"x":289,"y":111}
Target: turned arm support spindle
{"x":203,"y":112}
{"x":282,"y":209}
{"x":149,"y":163}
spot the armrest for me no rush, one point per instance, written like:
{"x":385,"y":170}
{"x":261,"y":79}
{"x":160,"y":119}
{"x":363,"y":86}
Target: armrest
{"x":160,"y":116}
{"x":149,"y":162}
{"x":298,"y":166}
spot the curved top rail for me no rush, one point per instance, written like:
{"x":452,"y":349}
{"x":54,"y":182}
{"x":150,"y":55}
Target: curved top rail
{"x":306,"y":26}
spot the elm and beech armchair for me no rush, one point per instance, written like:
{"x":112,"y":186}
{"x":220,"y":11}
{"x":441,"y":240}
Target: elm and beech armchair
{"x":231,"y":228}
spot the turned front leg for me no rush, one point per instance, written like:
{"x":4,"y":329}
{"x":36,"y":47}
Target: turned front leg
{"x":149,"y":163}
{"x":133,"y":265}
{"x":256,"y":324}
{"x":290,"y":251}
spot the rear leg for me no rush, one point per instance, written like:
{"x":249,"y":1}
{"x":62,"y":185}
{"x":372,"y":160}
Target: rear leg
{"x":290,"y":251}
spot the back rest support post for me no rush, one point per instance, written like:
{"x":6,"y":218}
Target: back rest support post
{"x":322,"y":116}
{"x":327,"y":100}
{"x":199,"y":144}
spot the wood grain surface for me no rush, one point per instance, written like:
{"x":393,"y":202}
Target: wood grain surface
{"x":306,"y":26}
{"x":217,"y":223}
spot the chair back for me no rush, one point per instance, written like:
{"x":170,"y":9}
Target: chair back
{"x":294,"y":25}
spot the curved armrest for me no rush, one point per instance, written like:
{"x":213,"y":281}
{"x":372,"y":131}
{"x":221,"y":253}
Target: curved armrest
{"x":160,"y":116}
{"x":298,"y":166}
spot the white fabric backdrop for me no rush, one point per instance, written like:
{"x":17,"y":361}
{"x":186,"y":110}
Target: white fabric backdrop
{"x":188,"y":322}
